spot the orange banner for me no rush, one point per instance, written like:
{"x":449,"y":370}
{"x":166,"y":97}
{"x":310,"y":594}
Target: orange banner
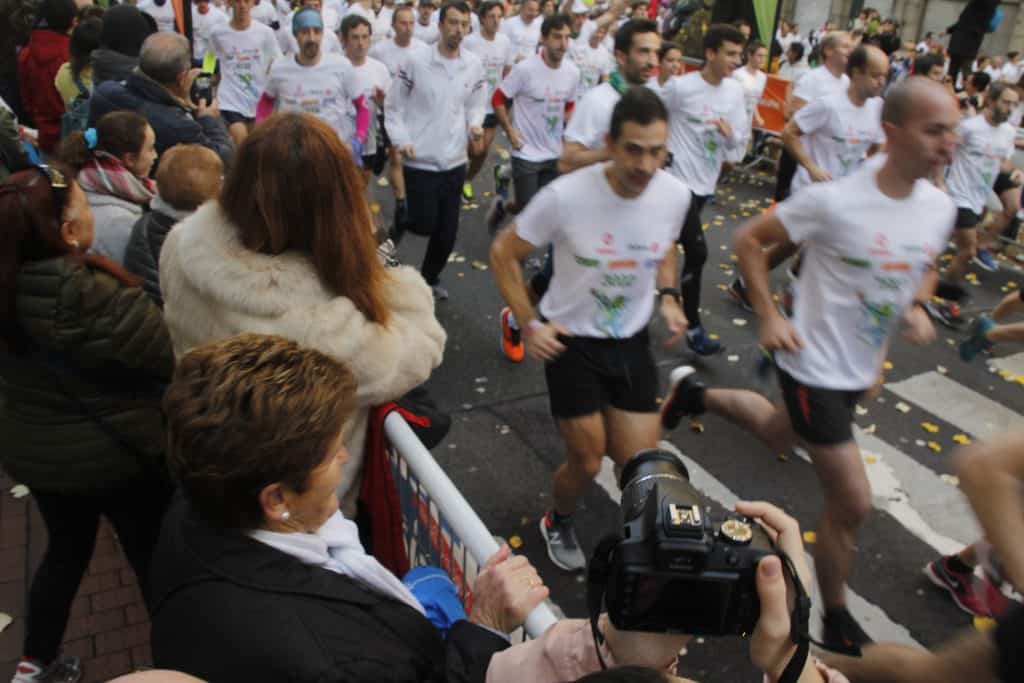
{"x":772,"y":104}
{"x":179,"y":15}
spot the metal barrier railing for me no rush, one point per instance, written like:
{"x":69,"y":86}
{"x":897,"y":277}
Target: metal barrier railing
{"x":441,"y":529}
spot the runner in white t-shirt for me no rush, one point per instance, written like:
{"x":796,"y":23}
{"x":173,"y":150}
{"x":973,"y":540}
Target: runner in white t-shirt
{"x":752,"y":78}
{"x":246,"y":49}
{"x":594,"y":62}
{"x":707,"y":114}
{"x":670,"y":65}
{"x":524,"y":29}
{"x":312,"y":82}
{"x":394,"y":52}
{"x":265,"y":12}
{"x":204,"y":17}
{"x":872,"y":240}
{"x":374,"y":81}
{"x":590,"y":328}
{"x":425,"y":28}
{"x":162,"y":12}
{"x":497,"y":54}
{"x":986,"y":150}
{"x":382,"y":22}
{"x":543,"y":88}
{"x":636,"y":57}
{"x":832,"y":135}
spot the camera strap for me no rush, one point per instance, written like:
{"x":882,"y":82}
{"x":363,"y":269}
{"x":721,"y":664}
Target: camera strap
{"x":598,"y":573}
{"x":799,"y":624}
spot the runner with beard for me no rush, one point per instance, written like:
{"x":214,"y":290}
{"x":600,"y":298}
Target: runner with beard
{"x":331,"y":44}
{"x":426,"y":28}
{"x":524,"y":29}
{"x":312,"y":82}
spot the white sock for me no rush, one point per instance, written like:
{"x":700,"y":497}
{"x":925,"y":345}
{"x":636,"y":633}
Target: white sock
{"x":512,"y":321}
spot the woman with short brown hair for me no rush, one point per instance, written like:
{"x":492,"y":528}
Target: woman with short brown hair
{"x":258,"y":576}
{"x":290,"y":250}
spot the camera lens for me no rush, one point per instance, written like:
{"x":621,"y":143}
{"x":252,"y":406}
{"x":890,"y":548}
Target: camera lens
{"x":646,"y":469}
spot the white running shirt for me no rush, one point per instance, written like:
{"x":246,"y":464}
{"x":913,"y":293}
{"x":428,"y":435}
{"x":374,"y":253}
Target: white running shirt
{"x":495,"y":55}
{"x":325,"y":90}
{"x":606,"y":261}
{"x":594,"y":63}
{"x":837,"y":134}
{"x":162,"y":15}
{"x":976,"y":163}
{"x":245,"y":59}
{"x":202,"y":24}
{"x":541,"y":94}
{"x":393,"y":57}
{"x":592,"y":117}
{"x":524,"y":37}
{"x":819,"y":82}
{"x":372,"y":75}
{"x":865,"y":255}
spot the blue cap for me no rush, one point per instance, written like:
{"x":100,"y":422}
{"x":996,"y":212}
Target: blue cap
{"x":307,"y":17}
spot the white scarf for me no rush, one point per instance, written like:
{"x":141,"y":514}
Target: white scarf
{"x":336,"y":547}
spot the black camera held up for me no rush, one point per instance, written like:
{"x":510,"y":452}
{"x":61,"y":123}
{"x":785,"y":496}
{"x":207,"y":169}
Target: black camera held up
{"x":676,"y":568}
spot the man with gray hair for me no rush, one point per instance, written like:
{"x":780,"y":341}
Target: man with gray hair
{"x":160,"y":90}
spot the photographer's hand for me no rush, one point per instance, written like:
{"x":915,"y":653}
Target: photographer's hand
{"x":771,"y":646}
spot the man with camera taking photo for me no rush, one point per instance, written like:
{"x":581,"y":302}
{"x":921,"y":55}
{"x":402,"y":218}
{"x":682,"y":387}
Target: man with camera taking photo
{"x":160,"y":89}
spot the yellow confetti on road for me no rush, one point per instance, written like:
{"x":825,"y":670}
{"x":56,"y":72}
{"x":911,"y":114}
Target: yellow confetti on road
{"x":984,"y":624}
{"x":723,"y":288}
{"x":696,"y":427}
{"x":929,"y":427}
{"x":810,"y":537}
{"x":515,"y":542}
{"x":887,"y":365}
{"x":782,"y":457}
{"x":713,"y":336}
{"x":934,"y":445}
{"x":479,"y":265}
{"x":870,"y":459}
{"x":962,"y":439}
{"x":375,"y":207}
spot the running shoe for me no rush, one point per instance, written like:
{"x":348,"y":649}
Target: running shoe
{"x":984,"y":260}
{"x":739,"y":293}
{"x":995,"y":601}
{"x":467,"y":192}
{"x":843,"y":634}
{"x":701,"y":343}
{"x":496,"y":214}
{"x":440,"y":293}
{"x":947,"y":313}
{"x":961,"y":586}
{"x":685,"y":397}
{"x":976,"y":342}
{"x":64,"y":669}
{"x":502,"y":178}
{"x":511,"y":338}
{"x":563,"y":546}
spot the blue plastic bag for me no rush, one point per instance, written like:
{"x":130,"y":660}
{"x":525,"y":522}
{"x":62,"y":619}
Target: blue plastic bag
{"x":437,"y":594}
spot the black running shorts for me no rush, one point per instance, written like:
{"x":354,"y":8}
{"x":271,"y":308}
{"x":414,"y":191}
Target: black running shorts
{"x":966,"y":219}
{"x":1003,"y":183}
{"x":592,"y":374}
{"x":490,"y":121}
{"x":233,"y":117}
{"x":823,"y":417}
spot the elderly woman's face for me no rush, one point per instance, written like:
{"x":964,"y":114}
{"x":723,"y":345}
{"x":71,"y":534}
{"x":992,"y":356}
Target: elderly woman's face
{"x":311,"y":508}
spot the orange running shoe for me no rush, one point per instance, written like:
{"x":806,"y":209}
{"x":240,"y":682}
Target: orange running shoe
{"x":511,"y":338}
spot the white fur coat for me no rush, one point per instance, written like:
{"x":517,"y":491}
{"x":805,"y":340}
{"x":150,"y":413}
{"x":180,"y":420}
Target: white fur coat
{"x":214,"y":288}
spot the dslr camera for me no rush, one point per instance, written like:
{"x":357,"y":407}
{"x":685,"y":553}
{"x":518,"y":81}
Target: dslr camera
{"x":677,"y":568}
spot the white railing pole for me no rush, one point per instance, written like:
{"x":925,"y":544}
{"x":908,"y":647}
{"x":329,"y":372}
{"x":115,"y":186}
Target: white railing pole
{"x":461,"y":517}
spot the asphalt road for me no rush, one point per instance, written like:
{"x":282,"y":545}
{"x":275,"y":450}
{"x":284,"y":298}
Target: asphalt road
{"x":503,"y":444}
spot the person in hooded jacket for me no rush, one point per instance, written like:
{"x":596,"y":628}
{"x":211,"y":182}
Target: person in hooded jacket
{"x":189,"y":175}
{"x":84,"y":354}
{"x":112,"y":164}
{"x":47,"y":50}
{"x":124,"y":29}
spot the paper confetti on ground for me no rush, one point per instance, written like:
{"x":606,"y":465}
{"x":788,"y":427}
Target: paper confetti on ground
{"x":887,"y":365}
{"x":733,"y":359}
{"x":712,"y":335}
{"x":782,"y":457}
{"x":375,"y":208}
{"x":870,"y":459}
{"x":696,"y":427}
{"x":479,"y":265}
{"x":929,"y":427}
{"x":810,"y":537}
{"x":515,"y":542}
{"x":19,"y":491}
{"x":984,"y":624}
{"x":941,"y":369}
{"x":934,"y":445}
{"x":739,"y":322}
{"x":383,"y":182}
{"x":724,"y":288}
{"x":861,"y":410}
{"x":950,"y":479}
{"x":5,"y":620}
{"x":903,"y":407}
{"x":962,"y":439}
{"x":870,"y":429}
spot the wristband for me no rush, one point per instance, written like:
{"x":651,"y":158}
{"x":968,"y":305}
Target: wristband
{"x":670,"y":291}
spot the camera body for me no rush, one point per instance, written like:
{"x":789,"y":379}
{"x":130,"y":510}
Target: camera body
{"x":204,"y":88}
{"x":676,"y":568}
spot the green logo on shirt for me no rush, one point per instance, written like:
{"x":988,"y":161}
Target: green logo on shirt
{"x":586,"y":262}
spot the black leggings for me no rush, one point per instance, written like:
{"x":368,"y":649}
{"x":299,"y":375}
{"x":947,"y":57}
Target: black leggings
{"x":72,"y":523}
{"x":784,"y":178}
{"x":435,"y":199}
{"x":692,"y":239}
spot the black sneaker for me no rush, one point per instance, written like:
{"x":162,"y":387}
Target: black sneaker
{"x":739,"y":293}
{"x":401,"y":221}
{"x":843,"y":634}
{"x":685,"y":397}
{"x":946,"y":313}
{"x":563,"y":546}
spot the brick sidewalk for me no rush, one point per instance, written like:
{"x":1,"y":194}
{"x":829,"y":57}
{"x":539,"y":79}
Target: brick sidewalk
{"x":108,"y":628}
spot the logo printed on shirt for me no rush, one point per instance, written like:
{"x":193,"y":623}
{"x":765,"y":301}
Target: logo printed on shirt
{"x":622,"y":264}
{"x":586,"y":262}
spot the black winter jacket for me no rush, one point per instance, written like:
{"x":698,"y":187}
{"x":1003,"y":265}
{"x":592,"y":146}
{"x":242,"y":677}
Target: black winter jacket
{"x":142,"y":256}
{"x":229,"y":609}
{"x":969,"y":30}
{"x":171,"y":121}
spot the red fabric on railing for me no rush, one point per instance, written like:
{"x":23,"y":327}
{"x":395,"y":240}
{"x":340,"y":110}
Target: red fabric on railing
{"x":378,"y":495}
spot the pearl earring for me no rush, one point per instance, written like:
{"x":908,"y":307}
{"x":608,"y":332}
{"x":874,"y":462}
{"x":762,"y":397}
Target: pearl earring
{"x":75,"y":245}
{"x":285,"y":516}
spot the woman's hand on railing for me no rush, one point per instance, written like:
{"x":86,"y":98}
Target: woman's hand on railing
{"x":506,"y":591}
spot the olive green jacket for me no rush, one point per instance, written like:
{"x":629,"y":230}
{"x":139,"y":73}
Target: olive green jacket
{"x":81,"y":413}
